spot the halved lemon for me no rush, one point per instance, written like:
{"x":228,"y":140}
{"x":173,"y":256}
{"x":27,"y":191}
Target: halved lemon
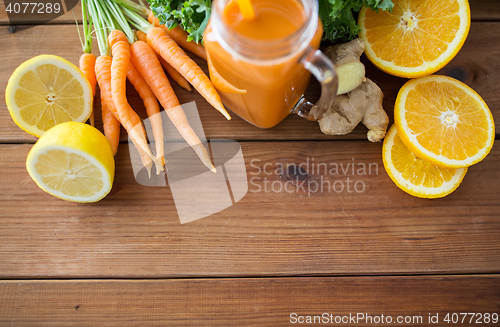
{"x":47,"y":90}
{"x":417,"y":38}
{"x":73,"y":161}
{"x":444,"y":121}
{"x":416,"y":176}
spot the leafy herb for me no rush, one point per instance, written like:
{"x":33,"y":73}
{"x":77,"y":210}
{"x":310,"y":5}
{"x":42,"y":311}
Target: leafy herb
{"x":191,"y":15}
{"x":338,"y":17}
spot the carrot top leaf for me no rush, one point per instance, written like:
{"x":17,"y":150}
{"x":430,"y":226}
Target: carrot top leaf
{"x":139,"y":8}
{"x":191,"y":15}
{"x":100,"y":28}
{"x":86,"y":27}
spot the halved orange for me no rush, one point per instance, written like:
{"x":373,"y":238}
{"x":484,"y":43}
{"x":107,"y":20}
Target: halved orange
{"x":416,"y":176}
{"x":417,"y":38}
{"x":444,"y":121}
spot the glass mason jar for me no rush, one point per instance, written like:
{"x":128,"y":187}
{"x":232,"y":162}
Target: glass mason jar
{"x":274,"y":72}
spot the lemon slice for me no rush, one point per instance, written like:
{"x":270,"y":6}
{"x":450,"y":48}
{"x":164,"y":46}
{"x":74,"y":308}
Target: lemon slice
{"x":45,"y":91}
{"x":444,"y":121}
{"x":73,"y":161}
{"x":416,"y":176}
{"x":417,"y":38}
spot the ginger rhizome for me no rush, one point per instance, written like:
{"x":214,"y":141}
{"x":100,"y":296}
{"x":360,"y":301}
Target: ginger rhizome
{"x":358,"y":100}
{"x":350,"y":70}
{"x":363,"y":104}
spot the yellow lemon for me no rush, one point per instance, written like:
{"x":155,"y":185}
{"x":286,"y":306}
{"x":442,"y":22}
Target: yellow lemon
{"x":73,"y":161}
{"x":417,"y":38}
{"x":45,"y":91}
{"x":444,"y":121}
{"x":414,"y":175}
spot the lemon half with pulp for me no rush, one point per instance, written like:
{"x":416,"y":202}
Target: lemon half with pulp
{"x":45,"y":91}
{"x":73,"y":161}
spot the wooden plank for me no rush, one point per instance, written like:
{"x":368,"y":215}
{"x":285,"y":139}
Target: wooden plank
{"x":485,"y":10}
{"x":360,"y":223}
{"x":476,"y":65}
{"x":250,"y":302}
{"x":481,"y":10}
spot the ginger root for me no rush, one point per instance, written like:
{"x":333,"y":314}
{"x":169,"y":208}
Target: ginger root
{"x":363,"y":104}
{"x":345,"y":58}
{"x":358,"y":100}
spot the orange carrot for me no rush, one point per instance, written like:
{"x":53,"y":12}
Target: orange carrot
{"x":175,"y":56}
{"x":142,"y":36}
{"x":103,"y":74}
{"x":152,"y":107}
{"x":145,"y":158}
{"x":220,"y":82}
{"x":87,"y":64}
{"x":119,"y":67}
{"x":178,"y":78}
{"x":148,"y":65}
{"x":170,"y":70}
{"x":180,"y":37}
{"x":110,"y":125}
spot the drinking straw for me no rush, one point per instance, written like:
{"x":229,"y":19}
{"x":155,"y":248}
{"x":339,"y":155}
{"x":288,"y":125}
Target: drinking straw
{"x":246,"y":9}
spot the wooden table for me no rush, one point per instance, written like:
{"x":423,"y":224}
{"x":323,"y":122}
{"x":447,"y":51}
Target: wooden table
{"x":127,"y":260}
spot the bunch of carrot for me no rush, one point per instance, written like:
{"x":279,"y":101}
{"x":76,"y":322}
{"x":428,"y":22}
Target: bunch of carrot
{"x":142,"y":62}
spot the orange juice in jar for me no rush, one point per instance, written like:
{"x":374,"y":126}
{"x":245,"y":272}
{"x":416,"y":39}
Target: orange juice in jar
{"x":271,"y":57}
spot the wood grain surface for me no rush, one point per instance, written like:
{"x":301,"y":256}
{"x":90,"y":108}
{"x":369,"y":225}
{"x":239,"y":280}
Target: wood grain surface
{"x":283,"y":248}
{"x":248,"y":302}
{"x":375,"y":229}
{"x":486,"y":10}
{"x":476,"y":64}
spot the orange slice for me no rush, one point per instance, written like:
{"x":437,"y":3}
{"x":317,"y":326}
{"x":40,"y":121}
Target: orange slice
{"x":417,"y":38}
{"x":414,"y":175}
{"x":444,"y":121}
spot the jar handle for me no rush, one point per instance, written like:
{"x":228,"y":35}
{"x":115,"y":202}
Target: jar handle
{"x":322,"y":68}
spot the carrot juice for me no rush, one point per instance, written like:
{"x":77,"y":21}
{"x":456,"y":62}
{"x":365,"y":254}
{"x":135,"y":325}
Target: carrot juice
{"x":262,"y":56}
